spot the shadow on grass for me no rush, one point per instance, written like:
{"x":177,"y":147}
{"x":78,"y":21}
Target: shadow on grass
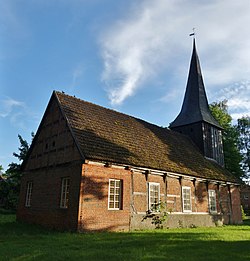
{"x":27,"y":242}
{"x":9,"y":226}
{"x":4,"y":211}
{"x":246,"y":222}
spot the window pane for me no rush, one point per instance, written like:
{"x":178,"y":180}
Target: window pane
{"x":28,"y":194}
{"x":112,"y":197}
{"x":114,"y":194}
{"x":64,"y":193}
{"x":212,"y":201}
{"x":186,"y":198}
{"x":154,"y":196}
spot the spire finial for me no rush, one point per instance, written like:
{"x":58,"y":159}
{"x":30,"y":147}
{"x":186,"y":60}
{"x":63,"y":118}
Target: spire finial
{"x":193,"y":33}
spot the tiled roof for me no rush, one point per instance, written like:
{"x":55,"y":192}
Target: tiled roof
{"x":107,"y":135}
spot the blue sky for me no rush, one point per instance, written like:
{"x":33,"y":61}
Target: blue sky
{"x":132,"y":56}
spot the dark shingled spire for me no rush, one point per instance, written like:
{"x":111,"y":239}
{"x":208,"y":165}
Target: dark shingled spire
{"x":195,"y":105}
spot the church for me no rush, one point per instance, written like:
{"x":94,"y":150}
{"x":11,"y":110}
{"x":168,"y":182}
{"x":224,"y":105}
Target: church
{"x":90,"y":168}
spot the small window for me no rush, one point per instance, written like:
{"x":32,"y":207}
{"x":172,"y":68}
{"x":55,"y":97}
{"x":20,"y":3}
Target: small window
{"x":246,"y":197}
{"x":64,"y":202}
{"x":28,"y":194}
{"x":115,"y":191}
{"x":186,"y":199}
{"x":153,"y":196}
{"x":212,"y":201}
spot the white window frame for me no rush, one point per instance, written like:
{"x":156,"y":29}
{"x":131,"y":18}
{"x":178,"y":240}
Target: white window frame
{"x":150,"y":196}
{"x":64,"y":199}
{"x":212,"y":204}
{"x":185,"y":188}
{"x":115,"y":194}
{"x":28,"y":194}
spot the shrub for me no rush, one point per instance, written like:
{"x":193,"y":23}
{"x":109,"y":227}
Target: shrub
{"x":159,"y":217}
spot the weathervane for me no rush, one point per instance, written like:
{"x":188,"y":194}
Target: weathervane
{"x":193,"y":33}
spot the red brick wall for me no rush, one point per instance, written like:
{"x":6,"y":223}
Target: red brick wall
{"x":54,"y":155}
{"x":225,"y":203}
{"x":45,"y":201}
{"x":236,"y":210}
{"x":140,"y":190}
{"x":245,"y":198}
{"x":173,"y":195}
{"x":94,"y":214}
{"x":201,"y":197}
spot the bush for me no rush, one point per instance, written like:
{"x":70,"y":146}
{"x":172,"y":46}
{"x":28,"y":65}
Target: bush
{"x":158,"y":217}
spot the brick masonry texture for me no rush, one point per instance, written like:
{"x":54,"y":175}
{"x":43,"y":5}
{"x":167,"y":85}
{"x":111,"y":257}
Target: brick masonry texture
{"x":93,"y":208}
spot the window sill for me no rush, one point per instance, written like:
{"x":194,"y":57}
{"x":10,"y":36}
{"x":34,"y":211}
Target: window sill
{"x":187,"y":211}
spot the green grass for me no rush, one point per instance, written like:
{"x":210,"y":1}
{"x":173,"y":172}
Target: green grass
{"x":27,"y":242}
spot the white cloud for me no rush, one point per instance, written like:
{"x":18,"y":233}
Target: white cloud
{"x":238,"y":97}
{"x":17,"y":113}
{"x":154,"y":37}
{"x":76,"y":75}
{"x":171,"y":95}
{"x":8,"y":105}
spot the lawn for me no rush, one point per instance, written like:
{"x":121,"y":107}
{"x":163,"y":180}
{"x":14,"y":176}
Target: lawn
{"x":27,"y":242}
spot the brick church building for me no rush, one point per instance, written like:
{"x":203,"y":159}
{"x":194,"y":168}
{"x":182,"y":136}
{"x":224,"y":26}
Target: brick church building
{"x":90,"y":168}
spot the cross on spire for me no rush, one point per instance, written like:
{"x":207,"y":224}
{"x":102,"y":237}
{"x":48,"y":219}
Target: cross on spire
{"x":193,"y":33}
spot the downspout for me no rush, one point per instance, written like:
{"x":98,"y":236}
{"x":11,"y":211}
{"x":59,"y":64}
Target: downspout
{"x":132,"y":207}
{"x":230,"y":205}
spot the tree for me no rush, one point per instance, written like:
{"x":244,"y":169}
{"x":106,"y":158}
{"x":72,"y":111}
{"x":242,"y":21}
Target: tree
{"x":3,"y":187}
{"x":11,"y":187}
{"x":243,"y":127}
{"x":231,"y":138}
{"x":13,"y":172}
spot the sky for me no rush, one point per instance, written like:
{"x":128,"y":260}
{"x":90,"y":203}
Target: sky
{"x":128,"y":55}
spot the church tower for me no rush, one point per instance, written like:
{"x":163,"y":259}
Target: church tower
{"x":195,"y":119}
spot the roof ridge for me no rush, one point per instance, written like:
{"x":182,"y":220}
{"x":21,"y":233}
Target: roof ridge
{"x":109,"y":109}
